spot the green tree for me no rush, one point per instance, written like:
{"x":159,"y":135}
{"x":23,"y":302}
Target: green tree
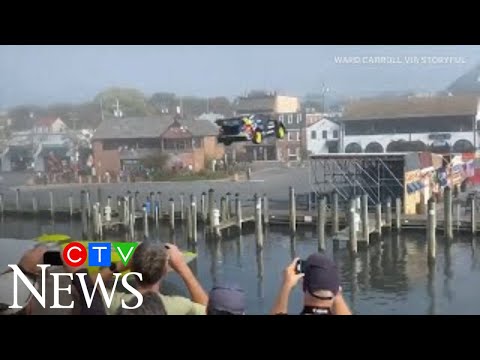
{"x":220,"y":105}
{"x":164,"y":102}
{"x":132,"y":102}
{"x":23,"y":116}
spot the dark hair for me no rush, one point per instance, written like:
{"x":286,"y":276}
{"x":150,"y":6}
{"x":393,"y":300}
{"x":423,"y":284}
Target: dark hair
{"x":152,"y":305}
{"x":150,"y":260}
{"x":218,"y":312}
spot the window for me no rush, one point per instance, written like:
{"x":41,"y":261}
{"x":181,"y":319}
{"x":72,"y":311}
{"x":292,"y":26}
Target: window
{"x":324,"y":134}
{"x":293,"y":154}
{"x":298,"y":135}
{"x":280,"y":118}
{"x":335,"y":134}
{"x":314,"y":135}
{"x":299,"y":118}
{"x":290,"y":118}
{"x":289,"y":136}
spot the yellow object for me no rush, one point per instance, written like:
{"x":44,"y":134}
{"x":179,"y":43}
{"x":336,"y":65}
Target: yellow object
{"x":54,"y":238}
{"x":258,"y":137}
{"x":281,"y":132}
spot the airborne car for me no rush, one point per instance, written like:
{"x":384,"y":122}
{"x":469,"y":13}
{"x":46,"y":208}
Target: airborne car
{"x":249,"y":128}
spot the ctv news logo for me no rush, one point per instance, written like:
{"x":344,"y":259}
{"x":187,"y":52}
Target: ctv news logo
{"x":75,"y":254}
{"x":99,"y":253}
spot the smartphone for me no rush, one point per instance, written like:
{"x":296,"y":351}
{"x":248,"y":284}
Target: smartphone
{"x":53,"y":258}
{"x":300,"y":267}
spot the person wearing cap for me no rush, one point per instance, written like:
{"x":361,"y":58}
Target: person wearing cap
{"x":28,"y":265}
{"x":226,"y":300}
{"x":152,"y":261}
{"x":322,"y":293}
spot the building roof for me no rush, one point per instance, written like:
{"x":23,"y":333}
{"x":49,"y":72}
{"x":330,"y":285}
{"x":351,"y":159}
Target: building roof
{"x":46,"y":121}
{"x":149,"y":127}
{"x":410,"y":107}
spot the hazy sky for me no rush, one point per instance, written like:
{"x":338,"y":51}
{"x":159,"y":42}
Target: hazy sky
{"x":74,"y":73}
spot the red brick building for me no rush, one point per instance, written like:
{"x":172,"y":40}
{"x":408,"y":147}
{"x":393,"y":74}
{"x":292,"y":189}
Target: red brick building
{"x":122,"y":143}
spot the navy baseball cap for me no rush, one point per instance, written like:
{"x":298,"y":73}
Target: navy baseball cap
{"x":228,"y":299}
{"x":321,"y":273}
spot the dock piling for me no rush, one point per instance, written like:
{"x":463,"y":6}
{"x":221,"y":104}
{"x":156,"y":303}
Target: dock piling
{"x":321,"y":207}
{"x":431,"y":230}
{"x":335,"y":223}
{"x":364,"y":219}
{"x":448,"y":213}
{"x":293,"y":210}
{"x":398,"y":214}
{"x":258,"y":221}
{"x":352,"y":226}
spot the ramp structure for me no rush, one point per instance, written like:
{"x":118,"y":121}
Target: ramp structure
{"x":379,"y":175}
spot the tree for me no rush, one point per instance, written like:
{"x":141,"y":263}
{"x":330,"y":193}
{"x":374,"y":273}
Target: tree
{"x":220,"y":105}
{"x":23,"y":116}
{"x":164,"y":103}
{"x":132,"y":102}
{"x":156,"y":162}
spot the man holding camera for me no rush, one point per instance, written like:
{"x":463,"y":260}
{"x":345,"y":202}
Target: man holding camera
{"x":322,"y":293}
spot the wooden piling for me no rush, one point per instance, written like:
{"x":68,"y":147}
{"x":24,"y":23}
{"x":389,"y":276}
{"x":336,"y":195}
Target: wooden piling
{"x":99,"y":197}
{"x":258,"y":221}
{"x":431,"y":230}
{"x":34,"y":205}
{"x":52,"y":205}
{"x":136,"y":202}
{"x":145,"y":222}
{"x":293,"y":210}
{"x":189,"y":223}
{"x":193,"y":204}
{"x":84,"y":213}
{"x":70,"y":205}
{"x":457,"y":212}
{"x":388,"y":213}
{"x":378,"y":219}
{"x":203,"y":207}
{"x":95,"y":221}
{"x":448,"y":213}
{"x":18,"y":205}
{"x":364,"y":219}
{"x":223,"y":208}
{"x":211,"y":205}
{"x":132,"y":223}
{"x":158,"y":204}
{"x":266,"y":210}
{"x":335,"y":222}
{"x":152,"y":205}
{"x":398,"y":214}
{"x":351,"y":225}
{"x":172,"y":214}
{"x":321,"y":214}
{"x":88,"y":204}
{"x":182,"y":207}
{"x":237,"y":198}
{"x":473,"y":223}
{"x":228,"y":200}
{"x":238,"y":211}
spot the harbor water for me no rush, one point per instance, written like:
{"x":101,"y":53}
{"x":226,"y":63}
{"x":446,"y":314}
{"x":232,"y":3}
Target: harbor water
{"x":392,"y":276}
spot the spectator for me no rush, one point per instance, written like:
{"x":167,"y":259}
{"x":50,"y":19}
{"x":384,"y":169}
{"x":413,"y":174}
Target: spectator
{"x":152,"y":261}
{"x":226,"y":300}
{"x":152,"y":305}
{"x":28,"y":264}
{"x":321,"y":288}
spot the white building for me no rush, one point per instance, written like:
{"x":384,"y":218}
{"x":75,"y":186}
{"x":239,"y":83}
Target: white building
{"x":49,"y":125}
{"x":323,"y":136}
{"x":441,"y":124}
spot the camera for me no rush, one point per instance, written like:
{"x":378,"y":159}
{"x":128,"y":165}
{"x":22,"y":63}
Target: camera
{"x":300,"y":267}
